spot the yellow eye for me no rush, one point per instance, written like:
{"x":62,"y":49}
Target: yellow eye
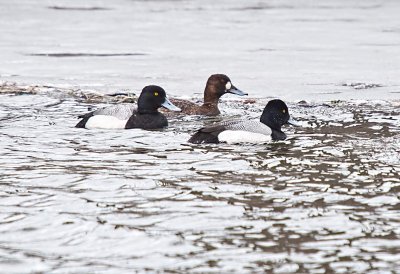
{"x":284,"y":110}
{"x":156,"y":93}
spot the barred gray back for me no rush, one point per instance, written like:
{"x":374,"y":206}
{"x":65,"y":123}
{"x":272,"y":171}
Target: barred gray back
{"x":121,"y":111}
{"x":247,"y":125}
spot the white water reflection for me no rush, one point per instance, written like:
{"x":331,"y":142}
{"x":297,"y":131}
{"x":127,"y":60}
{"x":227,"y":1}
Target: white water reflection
{"x":78,"y":200}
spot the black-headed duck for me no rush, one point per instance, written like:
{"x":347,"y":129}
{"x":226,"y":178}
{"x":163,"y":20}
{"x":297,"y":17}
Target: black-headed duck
{"x":145,"y":115}
{"x":267,"y":128}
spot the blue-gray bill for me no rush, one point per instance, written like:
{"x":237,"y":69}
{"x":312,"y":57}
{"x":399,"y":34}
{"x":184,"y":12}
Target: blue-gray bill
{"x":236,"y":91}
{"x":168,"y":105}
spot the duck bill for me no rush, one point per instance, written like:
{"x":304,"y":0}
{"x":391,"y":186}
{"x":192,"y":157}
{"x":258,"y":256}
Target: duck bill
{"x":236,"y":91}
{"x":168,"y":105}
{"x":293,"y":122}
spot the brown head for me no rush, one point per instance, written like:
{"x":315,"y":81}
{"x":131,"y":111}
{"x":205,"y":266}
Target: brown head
{"x":218,"y":85}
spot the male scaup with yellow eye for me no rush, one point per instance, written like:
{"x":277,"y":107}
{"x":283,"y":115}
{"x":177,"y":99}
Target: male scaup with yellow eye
{"x":145,"y":116}
{"x":268,"y":128}
{"x":217,"y":85}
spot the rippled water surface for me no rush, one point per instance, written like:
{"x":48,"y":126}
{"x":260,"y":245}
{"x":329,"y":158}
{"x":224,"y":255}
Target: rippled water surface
{"x":73,"y":200}
{"x":114,"y":201}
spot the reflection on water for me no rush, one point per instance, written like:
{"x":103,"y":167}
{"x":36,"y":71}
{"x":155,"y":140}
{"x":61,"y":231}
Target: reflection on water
{"x":73,"y":200}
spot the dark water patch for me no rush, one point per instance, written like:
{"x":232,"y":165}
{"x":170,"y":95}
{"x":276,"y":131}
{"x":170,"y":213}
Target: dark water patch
{"x":345,"y":7}
{"x":331,"y":92}
{"x":313,"y":20}
{"x":78,"y":8}
{"x":391,"y":30}
{"x":379,"y":45}
{"x":298,"y":49}
{"x":260,"y":7}
{"x":263,"y":6}
{"x":359,"y":85}
{"x":263,"y":49}
{"x":87,"y":54}
{"x":120,"y":94}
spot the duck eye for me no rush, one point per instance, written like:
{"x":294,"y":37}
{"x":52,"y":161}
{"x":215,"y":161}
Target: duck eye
{"x":228,"y":85}
{"x":284,"y":110}
{"x":156,"y":93}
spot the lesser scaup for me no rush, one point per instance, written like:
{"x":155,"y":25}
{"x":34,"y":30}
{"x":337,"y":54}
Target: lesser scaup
{"x":145,"y":115}
{"x":268,"y":128}
{"x":217,"y":85}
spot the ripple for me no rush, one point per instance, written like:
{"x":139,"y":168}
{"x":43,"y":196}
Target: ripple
{"x":79,"y":54}
{"x":77,"y":8}
{"x":97,"y":200}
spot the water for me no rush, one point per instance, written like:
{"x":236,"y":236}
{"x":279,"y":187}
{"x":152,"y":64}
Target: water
{"x":295,"y":50}
{"x":96,"y":200}
{"x":111,"y":201}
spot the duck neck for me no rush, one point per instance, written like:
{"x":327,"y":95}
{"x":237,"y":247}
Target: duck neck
{"x":147,"y":110}
{"x":210,"y":95}
{"x":275,"y":127}
{"x":210,"y":109}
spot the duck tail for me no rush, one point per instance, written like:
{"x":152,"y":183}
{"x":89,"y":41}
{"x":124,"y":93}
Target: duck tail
{"x":82,"y":123}
{"x":203,"y":137}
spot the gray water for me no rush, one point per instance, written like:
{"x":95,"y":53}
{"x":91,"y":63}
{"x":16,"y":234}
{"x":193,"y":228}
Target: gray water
{"x":74,"y":200}
{"x":114,"y":201}
{"x":295,"y":50}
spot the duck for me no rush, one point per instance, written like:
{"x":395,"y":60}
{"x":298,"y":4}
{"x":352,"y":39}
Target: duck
{"x":127,"y":116}
{"x":217,"y":85}
{"x":267,"y":128}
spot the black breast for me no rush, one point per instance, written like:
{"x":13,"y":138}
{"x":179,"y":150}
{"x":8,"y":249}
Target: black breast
{"x":147,"y":121}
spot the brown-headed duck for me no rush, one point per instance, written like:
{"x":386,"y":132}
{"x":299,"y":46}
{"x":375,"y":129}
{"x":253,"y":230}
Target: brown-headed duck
{"x":217,"y":85}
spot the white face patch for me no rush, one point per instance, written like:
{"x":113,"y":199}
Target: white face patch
{"x":228,"y":85}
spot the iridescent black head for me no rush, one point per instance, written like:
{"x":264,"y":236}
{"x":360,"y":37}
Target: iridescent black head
{"x":152,"y":98}
{"x":275,"y":115}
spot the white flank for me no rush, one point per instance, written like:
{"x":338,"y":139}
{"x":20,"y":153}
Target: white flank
{"x":240,"y":136}
{"x":105,"y":122}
